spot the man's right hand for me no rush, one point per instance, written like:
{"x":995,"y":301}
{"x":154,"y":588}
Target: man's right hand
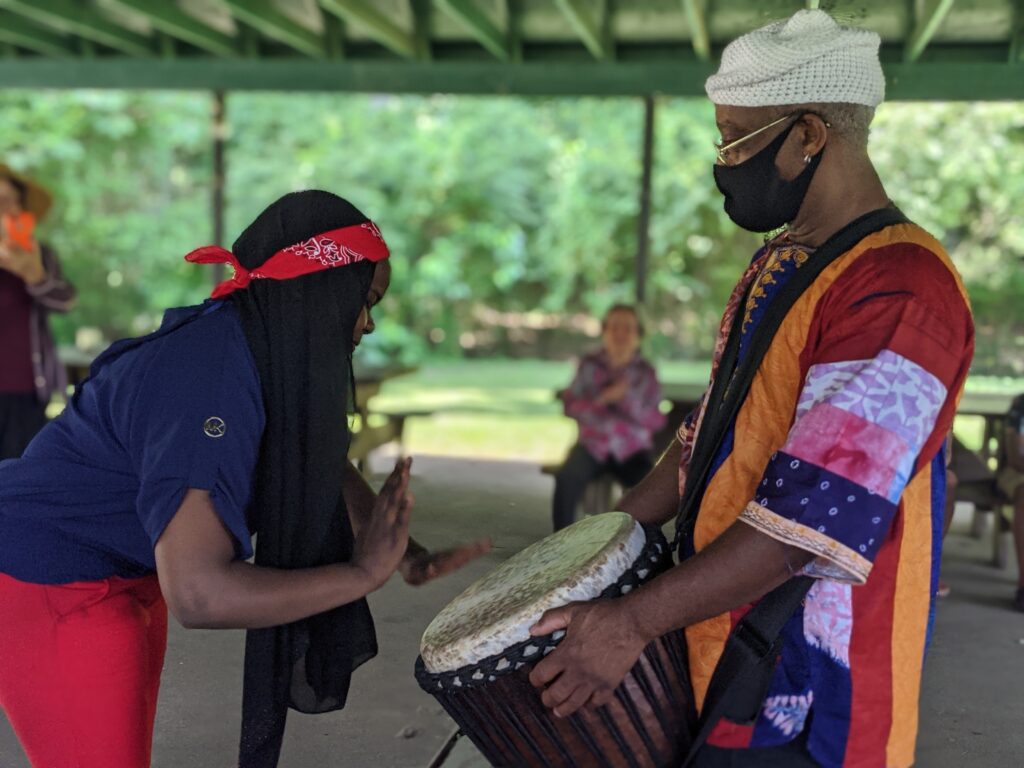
{"x":382,"y":542}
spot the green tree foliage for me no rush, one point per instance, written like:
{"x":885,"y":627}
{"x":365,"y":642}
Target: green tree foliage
{"x":509,"y":219}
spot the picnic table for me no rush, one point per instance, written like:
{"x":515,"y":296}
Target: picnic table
{"x":992,"y":407}
{"x":375,"y":429}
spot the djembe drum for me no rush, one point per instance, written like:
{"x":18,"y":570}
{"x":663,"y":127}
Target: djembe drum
{"x":477,"y":654}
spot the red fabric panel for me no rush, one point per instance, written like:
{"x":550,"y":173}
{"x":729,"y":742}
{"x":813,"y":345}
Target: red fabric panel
{"x":871,"y":657}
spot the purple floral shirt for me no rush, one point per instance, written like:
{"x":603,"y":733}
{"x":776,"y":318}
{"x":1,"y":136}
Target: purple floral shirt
{"x":622,"y":429}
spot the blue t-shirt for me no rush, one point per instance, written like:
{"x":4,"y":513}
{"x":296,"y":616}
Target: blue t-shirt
{"x":96,"y":488}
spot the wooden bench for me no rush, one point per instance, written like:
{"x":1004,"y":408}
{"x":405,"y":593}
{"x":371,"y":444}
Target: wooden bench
{"x":976,"y":485}
{"x":601,"y":493}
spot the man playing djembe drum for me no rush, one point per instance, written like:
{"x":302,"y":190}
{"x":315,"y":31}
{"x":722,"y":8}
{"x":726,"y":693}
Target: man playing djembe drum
{"x":830,"y":464}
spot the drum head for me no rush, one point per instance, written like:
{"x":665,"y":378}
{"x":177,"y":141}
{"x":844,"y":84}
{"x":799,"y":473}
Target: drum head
{"x":574,"y":564}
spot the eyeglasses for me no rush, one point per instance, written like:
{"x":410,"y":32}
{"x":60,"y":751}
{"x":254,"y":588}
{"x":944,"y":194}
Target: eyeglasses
{"x":722,"y":150}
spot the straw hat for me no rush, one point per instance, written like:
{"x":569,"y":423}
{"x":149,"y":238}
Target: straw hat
{"x":37,"y":199}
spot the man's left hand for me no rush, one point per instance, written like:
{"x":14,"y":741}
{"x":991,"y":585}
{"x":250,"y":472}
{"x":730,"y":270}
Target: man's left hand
{"x":602,"y":643}
{"x":420,"y":567}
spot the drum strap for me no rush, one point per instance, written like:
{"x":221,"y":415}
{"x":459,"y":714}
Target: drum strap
{"x":741,"y":679}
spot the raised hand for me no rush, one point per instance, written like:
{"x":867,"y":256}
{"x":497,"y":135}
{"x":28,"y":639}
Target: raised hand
{"x":28,"y":265}
{"x":383,"y":540}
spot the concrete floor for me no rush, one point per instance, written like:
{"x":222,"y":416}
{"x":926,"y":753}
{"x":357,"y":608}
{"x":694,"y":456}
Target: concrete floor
{"x":972,"y":703}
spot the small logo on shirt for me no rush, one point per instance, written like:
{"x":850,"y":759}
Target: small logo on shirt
{"x":215,"y":427}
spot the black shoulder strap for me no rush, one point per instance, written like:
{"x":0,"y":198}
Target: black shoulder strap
{"x":732,"y":382}
{"x":744,"y":671}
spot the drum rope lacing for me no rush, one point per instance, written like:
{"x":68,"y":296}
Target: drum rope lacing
{"x":654,"y":558}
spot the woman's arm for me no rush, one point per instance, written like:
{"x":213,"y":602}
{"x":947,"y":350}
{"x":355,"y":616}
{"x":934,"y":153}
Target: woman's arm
{"x":206,"y":587}
{"x":54,"y":291}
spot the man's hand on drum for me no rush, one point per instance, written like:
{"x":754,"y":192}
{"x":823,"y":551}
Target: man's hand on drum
{"x":421,"y":565}
{"x":602,"y":643}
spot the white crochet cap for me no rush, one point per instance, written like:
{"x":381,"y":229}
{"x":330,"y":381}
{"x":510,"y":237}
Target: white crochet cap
{"x":806,"y":59}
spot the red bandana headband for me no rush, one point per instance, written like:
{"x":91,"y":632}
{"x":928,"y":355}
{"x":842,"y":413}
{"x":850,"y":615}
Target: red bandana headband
{"x":336,"y":248}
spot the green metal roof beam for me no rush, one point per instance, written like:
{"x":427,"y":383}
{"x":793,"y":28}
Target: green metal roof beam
{"x":696,"y":17}
{"x":924,"y":80}
{"x":380,"y":26}
{"x":467,"y":13}
{"x":14,"y":30}
{"x":76,"y":19}
{"x":930,"y":15}
{"x":270,"y":22}
{"x":170,"y":20}
{"x":588,"y":30}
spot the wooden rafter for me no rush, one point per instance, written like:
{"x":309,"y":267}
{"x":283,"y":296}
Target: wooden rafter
{"x":929,"y":15}
{"x":270,"y":22}
{"x":1017,"y":33}
{"x":377,"y":24}
{"x":592,"y":32}
{"x":696,"y":17}
{"x":14,"y":30}
{"x":476,"y":22}
{"x":422,"y":19}
{"x":171,"y":20}
{"x":79,"y":19}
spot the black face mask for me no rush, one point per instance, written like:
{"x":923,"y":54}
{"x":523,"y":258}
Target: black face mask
{"x":756,"y":196}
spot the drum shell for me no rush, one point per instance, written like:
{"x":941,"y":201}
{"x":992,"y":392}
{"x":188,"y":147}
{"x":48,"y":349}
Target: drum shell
{"x":650,"y":723}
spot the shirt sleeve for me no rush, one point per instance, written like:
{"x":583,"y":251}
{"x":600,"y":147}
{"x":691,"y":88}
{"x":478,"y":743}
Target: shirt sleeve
{"x":876,"y":403}
{"x":580,"y":399}
{"x":55,"y":293}
{"x":197,"y":423}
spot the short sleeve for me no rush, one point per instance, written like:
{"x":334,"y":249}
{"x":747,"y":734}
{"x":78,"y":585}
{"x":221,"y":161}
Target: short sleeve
{"x":197,"y":423}
{"x":876,"y":403}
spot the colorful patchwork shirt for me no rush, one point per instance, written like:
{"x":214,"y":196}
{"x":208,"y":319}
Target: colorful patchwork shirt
{"x":837,"y":450}
{"x":622,"y":429}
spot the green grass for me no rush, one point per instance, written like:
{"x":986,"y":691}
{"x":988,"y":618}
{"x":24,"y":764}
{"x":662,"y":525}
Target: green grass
{"x":505,"y":409}
{"x":495,"y":409}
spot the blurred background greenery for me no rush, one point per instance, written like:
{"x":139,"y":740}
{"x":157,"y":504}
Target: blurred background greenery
{"x":512,"y":223}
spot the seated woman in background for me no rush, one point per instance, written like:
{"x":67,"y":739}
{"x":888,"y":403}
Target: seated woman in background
{"x":230,"y":420}
{"x":615,"y":398}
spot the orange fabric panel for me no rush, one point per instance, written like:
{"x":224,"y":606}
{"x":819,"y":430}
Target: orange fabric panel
{"x":910,"y":618}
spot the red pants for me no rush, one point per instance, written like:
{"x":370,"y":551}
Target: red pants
{"x":80,"y":669}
